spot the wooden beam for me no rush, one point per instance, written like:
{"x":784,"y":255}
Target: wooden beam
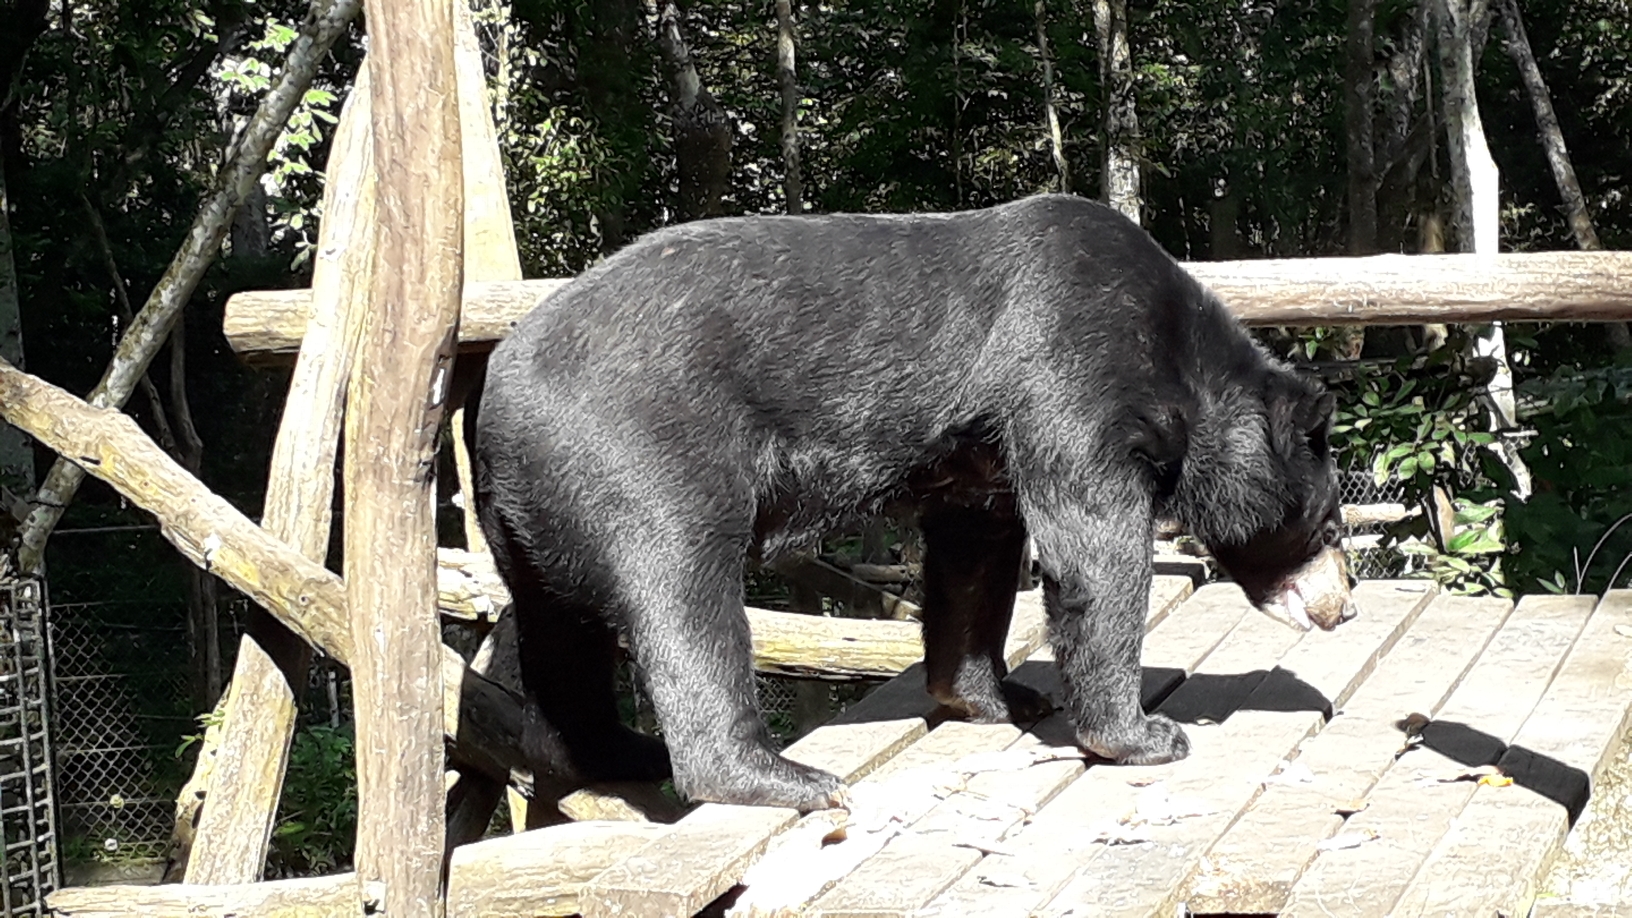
{"x":531,"y":873}
{"x":1376,"y":290}
{"x":482,"y":718}
{"x":786,"y":643}
{"x":242,"y":764}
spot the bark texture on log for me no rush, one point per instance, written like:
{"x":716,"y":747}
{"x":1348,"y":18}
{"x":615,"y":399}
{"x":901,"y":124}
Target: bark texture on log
{"x":242,"y":765}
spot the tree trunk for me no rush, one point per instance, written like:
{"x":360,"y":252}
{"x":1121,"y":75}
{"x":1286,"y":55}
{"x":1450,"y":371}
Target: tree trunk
{"x":1051,"y":117}
{"x":702,"y":130}
{"x":16,"y":453}
{"x":1474,"y":178}
{"x":1552,"y":140}
{"x":1119,"y":173}
{"x":245,"y":163}
{"x":204,"y":623}
{"x":787,"y":78}
{"x":1359,"y":99}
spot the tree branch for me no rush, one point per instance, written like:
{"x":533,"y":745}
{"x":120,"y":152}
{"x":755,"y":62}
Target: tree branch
{"x":244,"y":164}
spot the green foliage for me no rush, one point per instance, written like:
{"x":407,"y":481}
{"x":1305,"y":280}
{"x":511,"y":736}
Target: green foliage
{"x":317,"y":817}
{"x":1418,"y":420}
{"x":1569,"y":536}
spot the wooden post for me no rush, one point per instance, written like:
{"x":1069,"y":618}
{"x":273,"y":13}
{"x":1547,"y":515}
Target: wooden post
{"x":396,"y":401}
{"x":244,"y":772}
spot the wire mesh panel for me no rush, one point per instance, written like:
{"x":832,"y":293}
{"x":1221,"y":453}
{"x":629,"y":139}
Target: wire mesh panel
{"x":122,"y":703}
{"x":27,"y":818}
{"x":1368,"y":560}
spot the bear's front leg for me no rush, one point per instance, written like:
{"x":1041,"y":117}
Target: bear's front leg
{"x":1096,"y":586}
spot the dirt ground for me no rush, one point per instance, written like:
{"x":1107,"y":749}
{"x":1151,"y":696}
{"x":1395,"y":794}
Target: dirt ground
{"x":1596,"y":867}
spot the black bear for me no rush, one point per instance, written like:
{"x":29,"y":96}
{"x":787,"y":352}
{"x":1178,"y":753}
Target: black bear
{"x":731,"y":388}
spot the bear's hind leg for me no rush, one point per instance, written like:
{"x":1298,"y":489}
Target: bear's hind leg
{"x":568,"y":664}
{"x":690,"y":636}
{"x":971,"y":570}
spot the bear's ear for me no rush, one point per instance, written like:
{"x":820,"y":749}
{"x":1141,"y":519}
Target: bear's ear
{"x":1299,"y":412}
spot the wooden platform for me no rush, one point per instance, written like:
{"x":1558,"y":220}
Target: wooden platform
{"x":1378,"y":810}
{"x":1332,"y":774}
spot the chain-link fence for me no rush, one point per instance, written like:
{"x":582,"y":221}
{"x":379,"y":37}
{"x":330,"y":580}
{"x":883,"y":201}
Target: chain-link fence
{"x":123,"y":697}
{"x":27,"y":818}
{"x":1368,"y":559}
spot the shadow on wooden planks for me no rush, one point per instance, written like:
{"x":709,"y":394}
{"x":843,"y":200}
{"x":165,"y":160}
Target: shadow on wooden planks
{"x":1564,"y":784}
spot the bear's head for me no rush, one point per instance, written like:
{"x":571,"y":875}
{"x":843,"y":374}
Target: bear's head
{"x":1294,"y":569}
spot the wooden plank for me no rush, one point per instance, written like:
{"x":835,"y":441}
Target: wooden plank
{"x":688,"y":867}
{"x":540,"y":872}
{"x":1184,"y":637}
{"x":1378,"y":290}
{"x":1150,"y":878}
{"x":1564,"y":908}
{"x":1409,"y":808}
{"x":909,"y":871}
{"x":534,"y":873}
{"x":1553,"y":760}
{"x":1236,"y":667}
{"x":1252,"y":868}
{"x":1212,"y":628}
{"x":850,"y":751}
{"x":1167,"y":592}
{"x":1324,"y":660}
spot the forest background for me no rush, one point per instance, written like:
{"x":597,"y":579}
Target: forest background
{"x":1233,"y":129}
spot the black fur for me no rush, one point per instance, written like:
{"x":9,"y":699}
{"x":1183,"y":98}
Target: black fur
{"x":730,"y":386}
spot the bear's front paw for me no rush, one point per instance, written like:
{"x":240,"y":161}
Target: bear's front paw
{"x":1150,"y":740}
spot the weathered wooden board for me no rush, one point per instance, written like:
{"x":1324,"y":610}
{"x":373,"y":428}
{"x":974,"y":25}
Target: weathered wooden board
{"x":1205,"y":794}
{"x":1553,"y":760}
{"x":700,"y":857}
{"x":1184,"y":637}
{"x":1563,"y":908}
{"x":910,"y":870}
{"x":1251,"y":869}
{"x":1410,"y":808}
{"x":1235,"y":668}
{"x":1048,"y":851}
{"x":1324,"y":662}
{"x":540,"y":872}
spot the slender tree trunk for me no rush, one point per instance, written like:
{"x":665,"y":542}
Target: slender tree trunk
{"x":245,"y":163}
{"x":702,"y":129}
{"x":1552,"y":137}
{"x":1051,"y":118}
{"x":16,"y":452}
{"x":1473,"y":173}
{"x":1119,"y":174}
{"x":787,"y":77}
{"x":1552,"y":140}
{"x":1475,"y":179}
{"x":1360,"y":100}
{"x":202,"y":595}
